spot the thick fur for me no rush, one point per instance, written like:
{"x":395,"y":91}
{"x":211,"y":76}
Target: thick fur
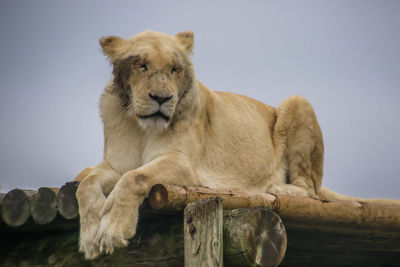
{"x":196,"y":137}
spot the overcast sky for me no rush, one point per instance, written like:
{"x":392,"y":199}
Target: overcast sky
{"x":344,"y":56}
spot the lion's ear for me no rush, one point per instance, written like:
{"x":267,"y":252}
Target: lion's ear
{"x":111,"y":44}
{"x":186,"y":39}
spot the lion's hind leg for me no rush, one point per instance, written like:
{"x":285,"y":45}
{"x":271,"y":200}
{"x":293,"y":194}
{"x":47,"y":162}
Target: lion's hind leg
{"x":298,"y":144}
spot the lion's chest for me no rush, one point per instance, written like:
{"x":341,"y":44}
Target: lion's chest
{"x":127,"y":149}
{"x":123,"y":151}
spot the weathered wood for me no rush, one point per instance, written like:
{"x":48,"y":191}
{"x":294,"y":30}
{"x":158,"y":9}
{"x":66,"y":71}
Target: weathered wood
{"x":15,"y":207}
{"x":59,"y":224}
{"x":19,"y":204}
{"x":339,"y":215}
{"x":43,"y":208}
{"x":319,"y":232}
{"x":66,"y":201}
{"x":159,"y":242}
{"x":356,"y":213}
{"x":317,"y":247}
{"x":171,"y":197}
{"x":256,"y":237}
{"x":203,"y":233}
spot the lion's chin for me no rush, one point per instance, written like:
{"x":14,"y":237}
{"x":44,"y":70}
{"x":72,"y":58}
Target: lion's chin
{"x":156,"y":115}
{"x":154,"y":123}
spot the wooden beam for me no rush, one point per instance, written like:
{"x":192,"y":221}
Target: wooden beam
{"x":171,"y":197}
{"x":309,"y":212}
{"x":203,"y":233}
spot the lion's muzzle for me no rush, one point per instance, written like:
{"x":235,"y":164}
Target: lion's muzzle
{"x":162,"y":111}
{"x":160,"y":99}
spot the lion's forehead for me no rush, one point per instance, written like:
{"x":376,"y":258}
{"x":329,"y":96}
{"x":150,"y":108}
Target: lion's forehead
{"x":153,"y":39}
{"x":161,"y":56}
{"x":158,"y":49}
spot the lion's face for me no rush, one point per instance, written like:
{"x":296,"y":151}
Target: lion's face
{"x":152,"y":73}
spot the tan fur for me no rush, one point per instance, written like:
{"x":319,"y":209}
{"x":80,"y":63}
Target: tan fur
{"x":83,"y":174}
{"x":201,"y":137}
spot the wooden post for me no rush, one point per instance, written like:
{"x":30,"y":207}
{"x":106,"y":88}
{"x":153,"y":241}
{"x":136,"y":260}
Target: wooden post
{"x":203,"y":233}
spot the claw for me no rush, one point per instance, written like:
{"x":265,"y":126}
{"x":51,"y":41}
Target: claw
{"x":90,"y":251}
{"x":108,"y":241}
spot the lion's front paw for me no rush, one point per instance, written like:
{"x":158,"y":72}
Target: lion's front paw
{"x":89,"y":228}
{"x":117,"y":225}
{"x":89,"y":248}
{"x":90,"y":205}
{"x":109,"y":237}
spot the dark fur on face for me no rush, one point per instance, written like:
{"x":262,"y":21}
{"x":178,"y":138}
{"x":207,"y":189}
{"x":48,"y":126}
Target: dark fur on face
{"x":187,"y":82}
{"x":122,"y":71}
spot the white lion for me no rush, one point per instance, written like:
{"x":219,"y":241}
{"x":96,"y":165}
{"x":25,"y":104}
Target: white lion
{"x":161,"y":125}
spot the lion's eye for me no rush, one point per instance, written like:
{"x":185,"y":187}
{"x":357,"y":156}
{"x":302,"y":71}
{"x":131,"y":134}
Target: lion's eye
{"x":174,"y":69}
{"x":143,"y":67}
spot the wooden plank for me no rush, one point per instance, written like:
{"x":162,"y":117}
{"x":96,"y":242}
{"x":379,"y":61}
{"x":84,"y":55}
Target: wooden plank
{"x":203,"y":233}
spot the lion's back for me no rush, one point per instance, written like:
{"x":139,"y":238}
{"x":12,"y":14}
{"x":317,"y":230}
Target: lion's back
{"x":241,"y":138}
{"x":245,"y":110}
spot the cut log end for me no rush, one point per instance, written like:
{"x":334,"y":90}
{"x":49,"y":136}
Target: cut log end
{"x":15,"y":208}
{"x":67,"y":202}
{"x":256,"y":235}
{"x":158,"y":197}
{"x":44,"y":206}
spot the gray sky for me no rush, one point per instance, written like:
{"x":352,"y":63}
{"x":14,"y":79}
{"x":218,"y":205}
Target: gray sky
{"x":343,"y":56}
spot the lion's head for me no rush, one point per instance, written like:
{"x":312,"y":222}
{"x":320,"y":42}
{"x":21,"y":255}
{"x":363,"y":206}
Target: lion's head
{"x":152,"y":74}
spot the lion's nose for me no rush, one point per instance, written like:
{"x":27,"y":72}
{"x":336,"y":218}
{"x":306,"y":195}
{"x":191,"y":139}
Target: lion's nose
{"x":160,"y":99}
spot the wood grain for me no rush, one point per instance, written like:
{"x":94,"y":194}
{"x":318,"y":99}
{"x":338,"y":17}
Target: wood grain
{"x":203,"y":233}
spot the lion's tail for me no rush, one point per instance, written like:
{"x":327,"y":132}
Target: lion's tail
{"x":327,"y":194}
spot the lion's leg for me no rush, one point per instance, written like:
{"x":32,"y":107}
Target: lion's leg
{"x":120,"y":212}
{"x":298,"y":143}
{"x":91,"y":195}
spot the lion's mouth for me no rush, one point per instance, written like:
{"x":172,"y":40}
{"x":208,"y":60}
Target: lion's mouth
{"x":158,"y":114}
